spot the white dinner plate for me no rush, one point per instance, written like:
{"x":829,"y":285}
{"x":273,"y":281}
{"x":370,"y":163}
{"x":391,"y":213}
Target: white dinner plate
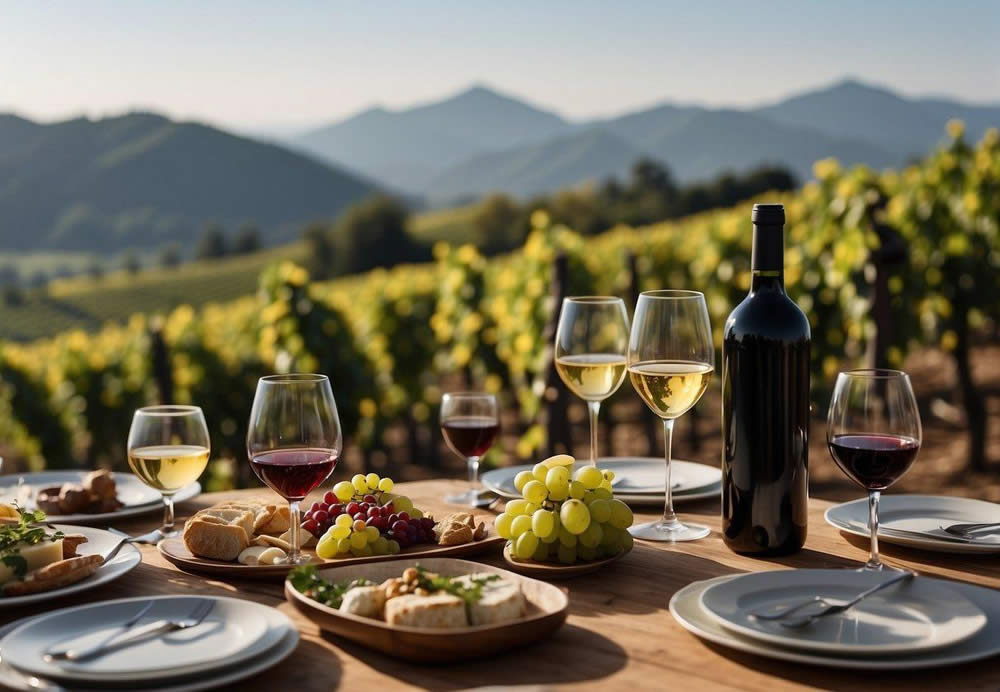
{"x":99,"y":542}
{"x":11,"y":679}
{"x":234,"y":630}
{"x":691,"y":480}
{"x":137,"y":497}
{"x":685,"y":606}
{"x":917,"y":615}
{"x":922,"y":513}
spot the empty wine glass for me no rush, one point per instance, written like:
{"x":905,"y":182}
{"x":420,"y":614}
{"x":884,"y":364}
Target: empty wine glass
{"x":873,"y":433}
{"x":294,"y":440}
{"x":470,"y":423}
{"x":591,"y":340}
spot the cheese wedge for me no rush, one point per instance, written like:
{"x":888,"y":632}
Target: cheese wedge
{"x":440,"y":611}
{"x":37,"y":556}
{"x":501,"y":601}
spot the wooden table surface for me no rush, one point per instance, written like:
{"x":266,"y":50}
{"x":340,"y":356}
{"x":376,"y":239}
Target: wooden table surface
{"x":619,"y":634}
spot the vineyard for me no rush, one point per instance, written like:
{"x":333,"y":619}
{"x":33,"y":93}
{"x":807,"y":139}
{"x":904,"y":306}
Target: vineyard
{"x":881,"y":263}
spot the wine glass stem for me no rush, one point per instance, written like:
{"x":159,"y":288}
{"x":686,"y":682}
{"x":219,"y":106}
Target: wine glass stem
{"x":294,"y":520}
{"x":473,"y":464}
{"x":168,"y":514}
{"x":595,"y":408}
{"x":668,"y":437}
{"x":873,"y":559}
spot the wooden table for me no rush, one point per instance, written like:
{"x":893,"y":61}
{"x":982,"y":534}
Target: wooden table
{"x":619,"y":634}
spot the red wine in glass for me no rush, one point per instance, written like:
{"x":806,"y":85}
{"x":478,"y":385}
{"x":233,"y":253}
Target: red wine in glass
{"x":874,"y":461}
{"x":294,"y":473}
{"x":470,"y":436}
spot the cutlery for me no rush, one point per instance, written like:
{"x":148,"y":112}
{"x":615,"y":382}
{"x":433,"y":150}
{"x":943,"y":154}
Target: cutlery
{"x":906,"y":533}
{"x":158,"y":628}
{"x":73,"y":654}
{"x":833,"y":609}
{"x":966,"y":530}
{"x":152,"y":538}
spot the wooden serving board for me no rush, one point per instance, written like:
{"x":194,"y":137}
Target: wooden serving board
{"x":545,"y":570}
{"x":175,"y":552}
{"x":547,"y":607}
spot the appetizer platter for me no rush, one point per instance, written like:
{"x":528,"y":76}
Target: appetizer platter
{"x":430,"y":610}
{"x":81,"y":497}
{"x":359,"y":521}
{"x":564,"y":524}
{"x":39,"y":561}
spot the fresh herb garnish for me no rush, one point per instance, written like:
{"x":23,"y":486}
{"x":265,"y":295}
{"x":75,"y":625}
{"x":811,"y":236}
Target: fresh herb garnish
{"x":307,"y":582}
{"x":469,"y":591}
{"x":12,"y":536}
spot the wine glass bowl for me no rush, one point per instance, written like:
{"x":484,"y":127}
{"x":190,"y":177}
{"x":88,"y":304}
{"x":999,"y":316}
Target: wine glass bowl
{"x":294,"y":440}
{"x":873,"y":433}
{"x":590,"y":345}
{"x":470,"y":424}
{"x":167,"y":449}
{"x":671,"y":357}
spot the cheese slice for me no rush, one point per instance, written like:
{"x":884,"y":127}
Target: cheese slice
{"x":37,"y":556}
{"x":501,"y":601}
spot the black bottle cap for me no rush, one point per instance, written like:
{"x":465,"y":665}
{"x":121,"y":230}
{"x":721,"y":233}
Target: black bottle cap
{"x":768,"y":215}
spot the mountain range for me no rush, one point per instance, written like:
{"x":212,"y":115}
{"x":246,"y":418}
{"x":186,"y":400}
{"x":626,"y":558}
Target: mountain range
{"x":481,"y":141}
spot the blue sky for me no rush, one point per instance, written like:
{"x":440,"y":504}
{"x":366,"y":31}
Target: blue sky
{"x":264,"y":65}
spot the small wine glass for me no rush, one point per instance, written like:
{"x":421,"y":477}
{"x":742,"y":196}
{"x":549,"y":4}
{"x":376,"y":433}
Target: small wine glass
{"x":591,"y":341}
{"x":873,"y":433}
{"x":294,"y":440}
{"x":470,"y":423}
{"x":168,"y":449}
{"x":671,"y":357}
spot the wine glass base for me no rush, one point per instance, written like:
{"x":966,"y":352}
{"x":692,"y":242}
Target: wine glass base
{"x":669,"y":532}
{"x":470,"y":498}
{"x":300,"y":559}
{"x":168,"y":533}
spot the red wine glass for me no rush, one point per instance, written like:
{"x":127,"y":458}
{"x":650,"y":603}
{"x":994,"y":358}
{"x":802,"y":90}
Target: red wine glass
{"x":294,"y":440}
{"x":470,"y":423}
{"x":873,"y":432}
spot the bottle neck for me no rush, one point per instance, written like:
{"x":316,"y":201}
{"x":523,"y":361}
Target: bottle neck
{"x":767,"y":263}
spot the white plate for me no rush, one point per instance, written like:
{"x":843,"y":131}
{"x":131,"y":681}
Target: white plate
{"x":266,"y":658}
{"x":99,"y":542}
{"x":917,"y":615}
{"x":634,"y":476}
{"x":138,"y":497}
{"x":685,"y":606}
{"x":924,"y":513}
{"x":235,"y":630}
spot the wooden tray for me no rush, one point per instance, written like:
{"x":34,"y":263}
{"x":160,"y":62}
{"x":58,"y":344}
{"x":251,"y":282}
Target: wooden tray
{"x":548,"y":606}
{"x":174,"y":551}
{"x":544,"y":570}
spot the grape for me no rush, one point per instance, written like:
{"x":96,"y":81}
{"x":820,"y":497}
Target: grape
{"x":330,"y":497}
{"x":373,"y":513}
{"x":380,"y":546}
{"x":522,"y":478}
{"x":336,"y":509}
{"x":344,"y":491}
{"x":576,"y":490}
{"x":627,"y":541}
{"x":560,"y":494}
{"x":606,"y":485}
{"x":566,"y":555}
{"x":621,"y":515}
{"x":402,"y":504}
{"x":427,"y":523}
{"x":370,"y":499}
{"x":359,"y":539}
{"x":591,"y":538}
{"x":344,"y":520}
{"x":360,"y":516}
{"x":359,"y":525}
{"x":574,"y":516}
{"x":363,"y":507}
{"x":609,"y":475}
{"x":311,"y":526}
{"x":502,"y":525}
{"x":326,"y":548}
{"x":372,"y":480}
{"x":353,"y":508}
{"x":525,"y":545}
{"x":363,"y":551}
{"x":543,"y":523}
{"x":557,"y":479}
{"x":590,"y":477}
{"x":393,"y":547}
{"x":416,"y":514}
{"x":540,"y":471}
{"x":532,"y":508}
{"x":386,"y":485}
{"x":343,"y":546}
{"x":535,"y":492}
{"x":320,"y":517}
{"x":585,"y":552}
{"x":554,"y":536}
{"x":340,"y":531}
{"x":516,"y":507}
{"x":521,"y":523}
{"x":373,"y":534}
{"x":403,"y":516}
{"x":566,"y":538}
{"x":393,"y":518}
{"x":399,"y":525}
{"x":541,"y":553}
{"x":600,"y":511}
{"x":359,"y":483}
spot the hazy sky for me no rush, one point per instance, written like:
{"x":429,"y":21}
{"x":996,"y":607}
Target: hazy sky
{"x":279,"y":64}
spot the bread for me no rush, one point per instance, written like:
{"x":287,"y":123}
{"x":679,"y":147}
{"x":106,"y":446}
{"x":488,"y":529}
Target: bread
{"x":501,"y":601}
{"x":55,"y":575}
{"x":210,"y":536}
{"x":438,"y":611}
{"x":240,"y":517}
{"x":366,"y":601}
{"x":70,"y":542}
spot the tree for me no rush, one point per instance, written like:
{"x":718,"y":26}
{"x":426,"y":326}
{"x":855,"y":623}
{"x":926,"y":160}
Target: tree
{"x":247,"y":239}
{"x":13,"y":295}
{"x":212,"y":244}
{"x":170,"y":256}
{"x":95,"y":271}
{"x":373,"y":234}
{"x":321,"y":260}
{"x":131,"y":262}
{"x":500,"y":225}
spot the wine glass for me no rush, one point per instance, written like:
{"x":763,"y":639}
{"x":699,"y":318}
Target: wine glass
{"x":470,"y":423}
{"x":591,"y":340}
{"x":294,"y":440}
{"x":670,"y":362}
{"x":168,"y":449}
{"x":873,"y":432}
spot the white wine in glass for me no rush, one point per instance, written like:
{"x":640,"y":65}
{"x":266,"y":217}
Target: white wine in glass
{"x":590,"y":352}
{"x":670,"y":362}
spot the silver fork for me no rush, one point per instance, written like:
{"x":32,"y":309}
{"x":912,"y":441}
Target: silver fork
{"x":51,"y":655}
{"x":153,"y":537}
{"x":832,"y":609}
{"x":967,"y":530}
{"x":142,"y":633}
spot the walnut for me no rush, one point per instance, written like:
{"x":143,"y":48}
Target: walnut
{"x":410,"y":574}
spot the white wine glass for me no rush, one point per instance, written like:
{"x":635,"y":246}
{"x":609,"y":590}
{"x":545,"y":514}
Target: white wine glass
{"x":168,"y":449}
{"x":670,"y":362}
{"x":591,"y":341}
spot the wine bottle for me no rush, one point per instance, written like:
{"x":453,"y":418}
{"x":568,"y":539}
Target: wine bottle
{"x":765,"y":405}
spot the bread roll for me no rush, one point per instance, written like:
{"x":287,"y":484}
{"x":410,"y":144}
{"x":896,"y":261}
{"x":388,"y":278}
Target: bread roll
{"x":214,"y":538}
